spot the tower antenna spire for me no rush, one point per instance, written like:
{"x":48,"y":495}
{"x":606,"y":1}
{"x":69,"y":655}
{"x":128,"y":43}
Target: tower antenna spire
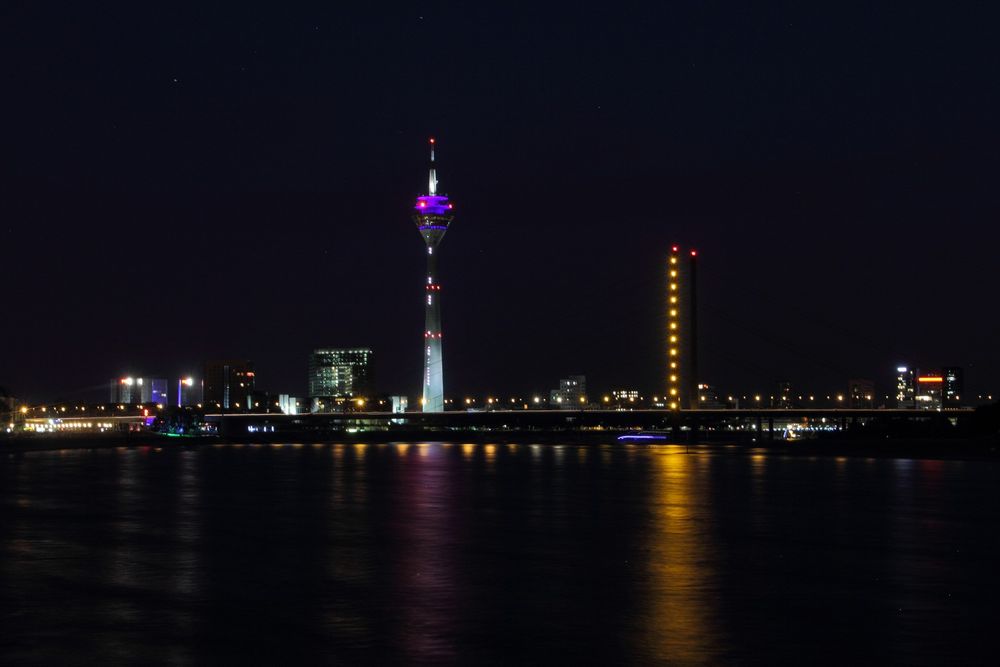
{"x":432,"y":184}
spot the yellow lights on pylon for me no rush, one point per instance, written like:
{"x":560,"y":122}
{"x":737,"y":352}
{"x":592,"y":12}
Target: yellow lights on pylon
{"x":673,"y":325}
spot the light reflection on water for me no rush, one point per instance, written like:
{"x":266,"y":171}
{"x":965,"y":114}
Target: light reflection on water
{"x":498,"y":552}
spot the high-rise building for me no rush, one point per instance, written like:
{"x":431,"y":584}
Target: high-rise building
{"x":189,"y":391}
{"x":341,"y":372}
{"x":929,"y":392}
{"x":229,"y":384}
{"x":158,"y":388}
{"x":126,"y":390}
{"x":433,"y":216}
{"x":682,"y":329}
{"x":130,"y":389}
{"x":905,"y":389}
{"x":954,"y":386}
{"x":571,"y":394}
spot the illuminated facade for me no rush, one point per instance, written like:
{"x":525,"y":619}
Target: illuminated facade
{"x":126,"y":390}
{"x":433,"y":216}
{"x":341,"y":372}
{"x":904,"y":387}
{"x":158,"y":388}
{"x":929,"y":390}
{"x":129,"y":390}
{"x":624,"y":399}
{"x":189,"y":391}
{"x":954,"y":386}
{"x":682,"y":330}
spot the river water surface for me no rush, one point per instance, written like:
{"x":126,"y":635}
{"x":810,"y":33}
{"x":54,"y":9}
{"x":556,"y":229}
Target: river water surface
{"x":446,"y":553}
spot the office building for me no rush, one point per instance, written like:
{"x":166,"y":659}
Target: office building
{"x":158,"y":391}
{"x":905,"y":387}
{"x":133,"y":390}
{"x":189,"y":391}
{"x":125,"y":390}
{"x":290,"y":405}
{"x":929,"y":390}
{"x":625,"y":399}
{"x":682,"y":329}
{"x":341,"y":372}
{"x":433,"y":215}
{"x":954,"y":386}
{"x":571,"y":394}
{"x":708,"y":398}
{"x":229,"y":384}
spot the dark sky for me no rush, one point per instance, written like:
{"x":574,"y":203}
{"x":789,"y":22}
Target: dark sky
{"x":183,"y":183}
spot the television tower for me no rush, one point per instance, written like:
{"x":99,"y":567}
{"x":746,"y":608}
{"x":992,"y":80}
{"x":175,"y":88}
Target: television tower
{"x":433,"y":215}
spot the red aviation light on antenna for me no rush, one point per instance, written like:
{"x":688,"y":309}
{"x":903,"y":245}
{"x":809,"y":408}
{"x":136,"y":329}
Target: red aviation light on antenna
{"x":432,"y":140}
{"x":674,"y":249}
{"x":694,"y":253}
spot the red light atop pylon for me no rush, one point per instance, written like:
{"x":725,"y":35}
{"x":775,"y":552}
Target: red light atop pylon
{"x":674,"y":249}
{"x":694,"y":253}
{"x":432,"y":140}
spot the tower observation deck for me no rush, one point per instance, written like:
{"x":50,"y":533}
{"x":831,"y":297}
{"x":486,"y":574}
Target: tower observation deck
{"x":432,"y":213}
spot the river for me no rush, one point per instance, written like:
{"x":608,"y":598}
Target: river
{"x":497,"y":553}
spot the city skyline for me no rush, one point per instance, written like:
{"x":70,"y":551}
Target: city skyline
{"x":186,"y":207}
{"x":715,"y":379}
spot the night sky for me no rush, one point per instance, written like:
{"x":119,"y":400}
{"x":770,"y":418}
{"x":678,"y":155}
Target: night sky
{"x":181,"y":184}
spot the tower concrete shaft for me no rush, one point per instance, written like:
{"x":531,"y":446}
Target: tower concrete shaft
{"x":682,"y":330}
{"x":432,"y":216}
{"x":433,"y":356}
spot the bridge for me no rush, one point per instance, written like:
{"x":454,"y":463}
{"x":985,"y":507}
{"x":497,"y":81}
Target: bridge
{"x":764,"y":421}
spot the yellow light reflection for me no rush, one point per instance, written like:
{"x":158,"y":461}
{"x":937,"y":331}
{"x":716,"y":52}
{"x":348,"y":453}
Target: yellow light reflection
{"x":683,"y":628}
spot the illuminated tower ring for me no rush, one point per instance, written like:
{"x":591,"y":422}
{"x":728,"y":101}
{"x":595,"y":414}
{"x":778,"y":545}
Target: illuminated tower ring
{"x":432,"y":215}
